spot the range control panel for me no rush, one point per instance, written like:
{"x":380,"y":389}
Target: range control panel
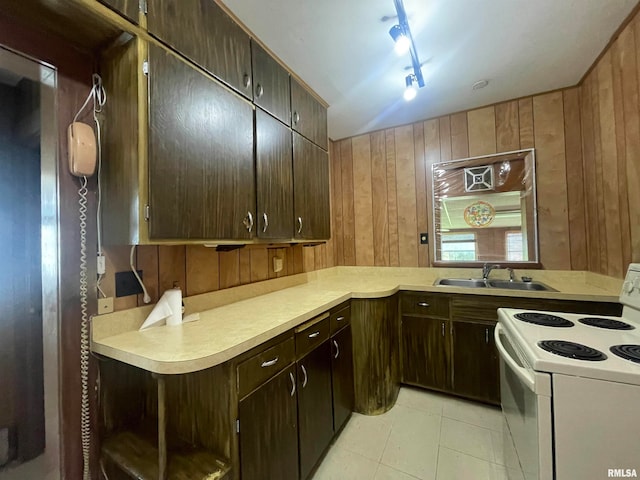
{"x":630,"y":294}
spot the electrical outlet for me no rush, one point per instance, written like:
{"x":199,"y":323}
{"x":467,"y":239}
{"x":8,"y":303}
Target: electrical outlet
{"x":424,"y":238}
{"x":105,"y":305}
{"x":278,"y":264}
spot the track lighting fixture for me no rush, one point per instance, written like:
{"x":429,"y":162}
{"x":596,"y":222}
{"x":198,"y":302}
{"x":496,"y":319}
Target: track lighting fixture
{"x":402,"y":37}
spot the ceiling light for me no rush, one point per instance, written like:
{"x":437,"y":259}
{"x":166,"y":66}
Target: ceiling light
{"x":403,"y":44}
{"x":480,"y":84}
{"x":410,"y":91}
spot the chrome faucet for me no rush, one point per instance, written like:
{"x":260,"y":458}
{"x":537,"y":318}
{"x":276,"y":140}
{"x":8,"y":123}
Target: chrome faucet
{"x":486,"y":270}
{"x":512,"y":274}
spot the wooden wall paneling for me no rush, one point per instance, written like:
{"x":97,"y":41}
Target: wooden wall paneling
{"x":630,"y":78}
{"x":588,"y":165}
{"x":229,"y":268}
{"x":575,"y":180}
{"x":291,"y":264}
{"x":260,"y":266}
{"x":379,"y":199}
{"x":363,"y":201}
{"x":348,"y":224}
{"x":308,"y":258}
{"x":330,"y":243}
{"x":421,"y":191}
{"x":117,"y":260}
{"x":298,"y":260}
{"x":525,"y":121}
{"x":507,"y":126}
{"x":459,"y":136}
{"x":320,"y":256}
{"x":283,"y":253}
{"x":618,"y":108}
{"x":337,"y":230}
{"x":171,"y":267}
{"x":445,"y":138}
{"x":406,"y":197}
{"x":272,"y":253}
{"x":392,"y":200}
{"x":244,"y":263}
{"x":147,"y":261}
{"x":432,"y":155}
{"x":601,"y":265}
{"x":202,"y":270}
{"x":482,"y":131}
{"x":553,"y":221}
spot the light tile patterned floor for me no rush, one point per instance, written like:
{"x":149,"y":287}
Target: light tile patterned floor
{"x":426,"y":436}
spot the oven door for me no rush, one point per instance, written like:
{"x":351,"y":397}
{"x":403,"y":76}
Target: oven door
{"x":526,"y":406}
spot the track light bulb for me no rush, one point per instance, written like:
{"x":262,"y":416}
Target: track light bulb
{"x":402,"y":42}
{"x":410,"y":91}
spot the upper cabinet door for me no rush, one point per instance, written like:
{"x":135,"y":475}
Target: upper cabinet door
{"x":203,"y":32}
{"x":274,"y":177}
{"x":271,"y":89}
{"x":310,"y":190}
{"x":308,"y":116}
{"x":201,"y":171}
{"x":127,"y":8}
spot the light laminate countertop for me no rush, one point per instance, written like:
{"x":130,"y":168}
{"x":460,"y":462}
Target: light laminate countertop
{"x":235,"y":320}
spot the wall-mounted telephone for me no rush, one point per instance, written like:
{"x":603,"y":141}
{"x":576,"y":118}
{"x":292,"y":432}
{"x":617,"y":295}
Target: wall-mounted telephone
{"x":82,"y":149}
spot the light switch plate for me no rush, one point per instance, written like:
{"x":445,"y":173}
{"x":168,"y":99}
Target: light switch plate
{"x":105,"y":305}
{"x":277,"y":264}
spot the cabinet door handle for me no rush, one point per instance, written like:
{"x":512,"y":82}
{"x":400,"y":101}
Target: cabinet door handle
{"x":259,"y":90}
{"x":248,"y":222}
{"x":293,"y":384}
{"x":337,"y":349}
{"x":299,"y":225}
{"x":443,"y":329}
{"x":296,"y":117}
{"x":486,"y":335}
{"x":246,"y":80}
{"x":314,"y":334}
{"x":304,"y":371}
{"x":423,"y":304}
{"x":339,"y":319}
{"x":270,"y":363}
{"x":266,"y":222}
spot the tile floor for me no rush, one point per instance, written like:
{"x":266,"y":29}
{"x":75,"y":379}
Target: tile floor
{"x":426,"y":436}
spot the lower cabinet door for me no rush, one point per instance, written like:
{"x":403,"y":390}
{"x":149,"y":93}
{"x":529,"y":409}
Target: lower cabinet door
{"x":476,"y":370}
{"x":268,"y":430}
{"x":342,"y":376}
{"x":315,"y":412}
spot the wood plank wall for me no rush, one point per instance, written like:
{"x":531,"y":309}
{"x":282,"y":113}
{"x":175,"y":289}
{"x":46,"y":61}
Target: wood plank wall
{"x":610,"y":114}
{"x":381,"y":193}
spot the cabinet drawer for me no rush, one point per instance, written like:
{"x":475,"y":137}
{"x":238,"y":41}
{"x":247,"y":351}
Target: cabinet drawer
{"x":424,"y":304}
{"x":256,"y":370}
{"x":311,"y":334}
{"x":340,"y":318}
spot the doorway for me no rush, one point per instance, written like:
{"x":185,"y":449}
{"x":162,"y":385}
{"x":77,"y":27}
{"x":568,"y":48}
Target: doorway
{"x":29,"y":346}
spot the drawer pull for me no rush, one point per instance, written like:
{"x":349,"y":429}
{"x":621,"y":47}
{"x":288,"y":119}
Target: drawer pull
{"x":423,"y":304}
{"x":486,"y":335}
{"x":304,"y":382}
{"x":270,"y":363}
{"x":339,"y":319}
{"x":293,"y":384}
{"x":443,"y":329}
{"x":314,"y":334}
{"x":337,"y":349}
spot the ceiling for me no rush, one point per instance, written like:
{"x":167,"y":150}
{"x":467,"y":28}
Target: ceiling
{"x":343,"y":51}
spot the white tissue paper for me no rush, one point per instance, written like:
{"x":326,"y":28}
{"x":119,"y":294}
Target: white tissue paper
{"x":168,"y":308}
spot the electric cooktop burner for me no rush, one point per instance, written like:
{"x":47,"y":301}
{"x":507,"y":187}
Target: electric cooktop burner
{"x":576,"y":351}
{"x":606,"y":323}
{"x":544,"y":319}
{"x":628,"y":352}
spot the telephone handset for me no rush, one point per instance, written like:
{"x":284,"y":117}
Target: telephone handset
{"x":82,"y":149}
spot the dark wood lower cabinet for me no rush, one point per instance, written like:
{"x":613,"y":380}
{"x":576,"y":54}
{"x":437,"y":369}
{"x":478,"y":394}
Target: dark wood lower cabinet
{"x":475,"y":361}
{"x":342,"y":376}
{"x":315,"y":413}
{"x":426,"y":352}
{"x":268,"y":430}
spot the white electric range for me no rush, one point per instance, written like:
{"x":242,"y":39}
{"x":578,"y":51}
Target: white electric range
{"x":570,"y":388}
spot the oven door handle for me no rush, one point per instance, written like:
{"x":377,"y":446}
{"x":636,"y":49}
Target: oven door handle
{"x":523,"y":374}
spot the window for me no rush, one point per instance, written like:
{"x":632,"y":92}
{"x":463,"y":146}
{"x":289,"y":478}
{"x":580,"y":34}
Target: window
{"x":459,"y":246}
{"x":514,"y":246}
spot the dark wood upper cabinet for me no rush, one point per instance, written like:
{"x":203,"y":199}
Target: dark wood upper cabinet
{"x":274,"y":178}
{"x":201,"y":170}
{"x":268,"y":430}
{"x":308,"y":115}
{"x":310,"y":190}
{"x":315,"y":413}
{"x":475,"y":361}
{"x":204,"y":33}
{"x":342,"y":376}
{"x":271,"y":88}
{"x":127,"y":8}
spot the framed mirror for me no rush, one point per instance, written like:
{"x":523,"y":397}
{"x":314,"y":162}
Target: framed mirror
{"x":484,"y":210}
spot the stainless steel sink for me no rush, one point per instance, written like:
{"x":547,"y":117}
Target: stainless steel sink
{"x":505,"y":284}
